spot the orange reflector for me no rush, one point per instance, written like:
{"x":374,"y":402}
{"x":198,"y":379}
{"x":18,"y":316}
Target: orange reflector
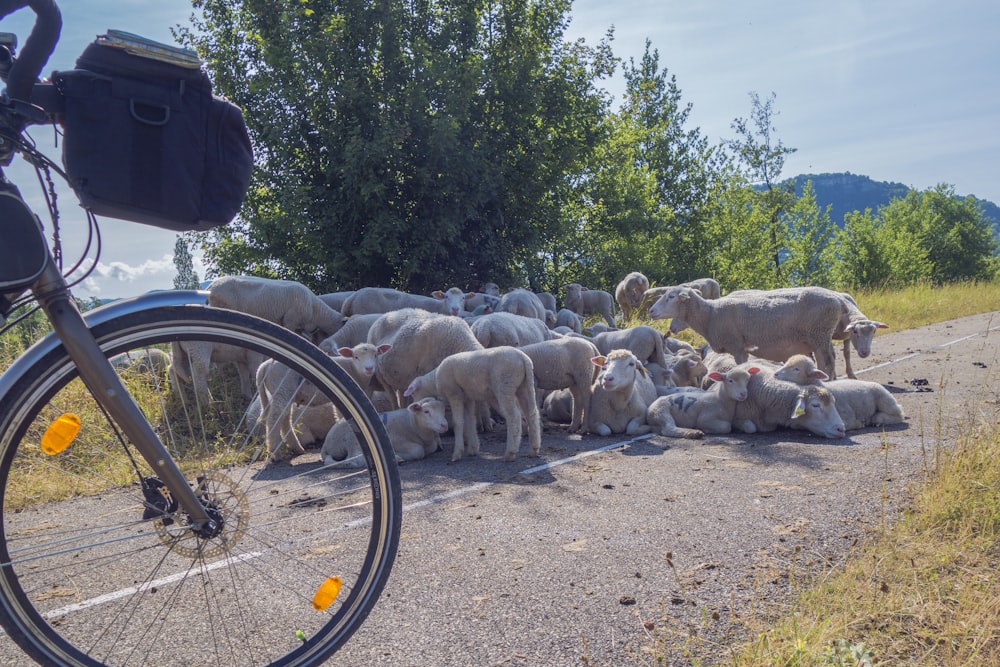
{"x":60,"y":433}
{"x":327,"y":593}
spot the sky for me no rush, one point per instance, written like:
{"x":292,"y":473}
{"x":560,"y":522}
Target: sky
{"x":898,"y":90}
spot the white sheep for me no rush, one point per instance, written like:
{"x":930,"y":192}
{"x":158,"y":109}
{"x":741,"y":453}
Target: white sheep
{"x":508,"y":329}
{"x":620,"y":396}
{"x":524,"y":302}
{"x":800,"y":369}
{"x":192,"y":363}
{"x":354,"y":331}
{"x":335,"y":299}
{"x":548,"y":301}
{"x":772,"y":403}
{"x":286,"y":302}
{"x":279,"y":388}
{"x":142,"y":361}
{"x":643,"y":340}
{"x":773,"y":324}
{"x":855,"y":329}
{"x":455,"y":301}
{"x":385,"y":299}
{"x":691,"y":414}
{"x":501,"y":376}
{"x":861,"y":403}
{"x":420,"y":341}
{"x":414,"y":431}
{"x":629,"y":293}
{"x":565,"y":363}
{"x":686,"y":369}
{"x":597,"y":328}
{"x":584,"y":301}
{"x":567,"y":318}
{"x":481,"y":303}
{"x":310,"y":422}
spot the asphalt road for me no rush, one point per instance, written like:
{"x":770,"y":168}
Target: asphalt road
{"x":584,"y":555}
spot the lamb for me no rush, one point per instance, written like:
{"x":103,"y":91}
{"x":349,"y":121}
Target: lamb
{"x":567,"y":318}
{"x":565,"y":363}
{"x":522,"y":302}
{"x":508,"y":329}
{"x":279,"y":388}
{"x":629,"y":293}
{"x":354,"y":331}
{"x":502,"y":376}
{"x":310,"y":422}
{"x":686,"y":369}
{"x":643,"y":340}
{"x":772,"y":403}
{"x":335,"y":299}
{"x":859,"y":403}
{"x":620,"y":396}
{"x":414,"y":431}
{"x":454,"y":300}
{"x":583,"y":302}
{"x":855,"y":329}
{"x":691,"y":414}
{"x":192,"y":361}
{"x":420,"y":341}
{"x":385,"y":299}
{"x":772,"y":324}
{"x":142,"y":361}
{"x":286,"y":302}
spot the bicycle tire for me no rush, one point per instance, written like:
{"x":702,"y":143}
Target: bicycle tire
{"x":93,"y":579}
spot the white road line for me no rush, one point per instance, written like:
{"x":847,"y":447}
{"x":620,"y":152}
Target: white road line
{"x":931,"y":349}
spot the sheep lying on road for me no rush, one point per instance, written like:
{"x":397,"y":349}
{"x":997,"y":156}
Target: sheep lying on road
{"x":800,"y":369}
{"x":861,"y":403}
{"x":691,"y":414}
{"x":773,"y":324}
{"x":620,"y":396}
{"x":285,"y":302}
{"x":414,"y":431}
{"x":629,"y":293}
{"x":501,"y":376}
{"x":583,"y":302}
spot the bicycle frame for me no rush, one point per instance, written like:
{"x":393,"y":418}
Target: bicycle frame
{"x":72,"y":330}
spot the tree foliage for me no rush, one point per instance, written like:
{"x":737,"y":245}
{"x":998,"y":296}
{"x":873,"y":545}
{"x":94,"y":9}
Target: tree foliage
{"x":187,"y":277}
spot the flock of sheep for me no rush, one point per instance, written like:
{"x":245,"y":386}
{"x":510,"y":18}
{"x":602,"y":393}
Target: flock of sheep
{"x":455,"y":359}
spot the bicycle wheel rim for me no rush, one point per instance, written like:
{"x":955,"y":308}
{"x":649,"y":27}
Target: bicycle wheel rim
{"x":247,"y":587}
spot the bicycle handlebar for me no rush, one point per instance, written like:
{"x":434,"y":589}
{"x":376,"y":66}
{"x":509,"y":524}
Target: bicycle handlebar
{"x":37,"y":48}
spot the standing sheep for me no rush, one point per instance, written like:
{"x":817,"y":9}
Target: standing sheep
{"x":454,"y":301}
{"x":508,"y":329}
{"x":192,"y":362}
{"x":772,"y":324}
{"x":691,"y":414}
{"x":565,"y":363}
{"x":414,"y":431}
{"x":629,"y":293}
{"x":420,"y":341}
{"x":522,"y":302}
{"x":644,"y":341}
{"x":286,"y":302}
{"x":503,"y":377}
{"x":385,"y":299}
{"x":620,"y":396}
{"x":857,"y":330}
{"x":583,"y":302}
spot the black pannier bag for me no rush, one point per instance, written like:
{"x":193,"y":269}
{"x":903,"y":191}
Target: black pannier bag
{"x":146,"y":140}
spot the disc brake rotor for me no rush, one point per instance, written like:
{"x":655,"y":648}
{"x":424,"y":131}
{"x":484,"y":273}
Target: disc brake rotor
{"x":226,"y":503}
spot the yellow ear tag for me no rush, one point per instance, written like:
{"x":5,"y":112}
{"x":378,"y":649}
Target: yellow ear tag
{"x":800,"y":408}
{"x":327,"y":593}
{"x":60,"y":433}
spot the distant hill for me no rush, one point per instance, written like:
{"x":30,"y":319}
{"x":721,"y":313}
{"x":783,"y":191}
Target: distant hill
{"x":848,"y":192}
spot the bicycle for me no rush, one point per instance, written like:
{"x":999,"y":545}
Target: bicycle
{"x":141,"y":524}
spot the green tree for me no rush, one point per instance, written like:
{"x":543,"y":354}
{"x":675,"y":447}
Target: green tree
{"x":808,"y":247}
{"x":762,"y":157}
{"x":862,"y":259}
{"x":187,"y":277}
{"x":398,"y":143}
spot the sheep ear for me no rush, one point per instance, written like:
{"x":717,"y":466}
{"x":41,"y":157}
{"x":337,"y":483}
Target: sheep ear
{"x":642,"y":369}
{"x":383,"y":348}
{"x":753,"y":370}
{"x":849,"y":327}
{"x":599,"y":361}
{"x":470,"y":295}
{"x":716,"y":376}
{"x":345,"y":351}
{"x":416,"y":406}
{"x":819,"y":375}
{"x":412,"y":388}
{"x":879,"y":325}
{"x":800,"y":407}
{"x":437,"y":294}
{"x":684,"y":295}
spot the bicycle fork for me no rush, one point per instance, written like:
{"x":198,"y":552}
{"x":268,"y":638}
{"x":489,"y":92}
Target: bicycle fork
{"x":102,"y":380}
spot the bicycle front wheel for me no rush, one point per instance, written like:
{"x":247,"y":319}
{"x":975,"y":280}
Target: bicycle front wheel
{"x":99,"y":567}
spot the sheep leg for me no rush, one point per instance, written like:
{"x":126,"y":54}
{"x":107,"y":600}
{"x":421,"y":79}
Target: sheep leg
{"x":637,"y":426}
{"x":529,"y":408}
{"x":826,"y":359}
{"x":580,"y":399}
{"x":847,"y":359}
{"x":670,"y":429}
{"x":471,"y":435}
{"x":507,"y":405}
